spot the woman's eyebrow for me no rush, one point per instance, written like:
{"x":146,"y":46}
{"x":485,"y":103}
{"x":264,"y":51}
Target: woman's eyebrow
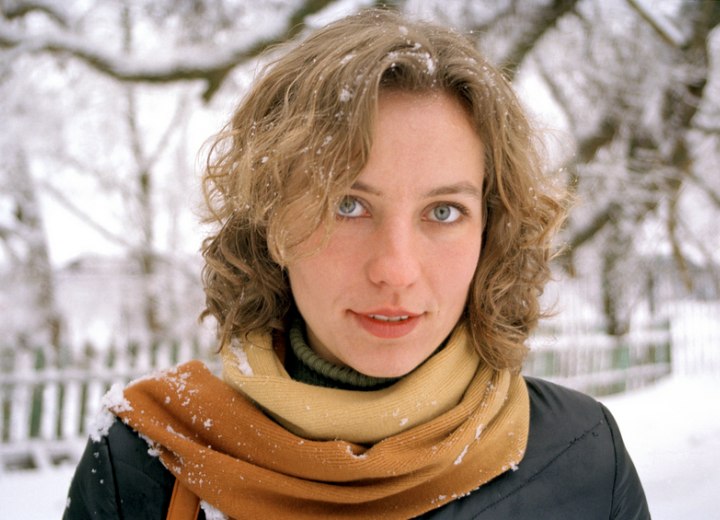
{"x":463,"y":187}
{"x":366,"y":188}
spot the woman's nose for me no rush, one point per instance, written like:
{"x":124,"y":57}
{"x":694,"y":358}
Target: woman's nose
{"x":394,"y":256}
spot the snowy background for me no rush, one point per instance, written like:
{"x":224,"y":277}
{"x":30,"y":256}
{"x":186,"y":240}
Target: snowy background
{"x":105,"y":106}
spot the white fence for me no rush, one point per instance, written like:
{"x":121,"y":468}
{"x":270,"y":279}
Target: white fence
{"x":49,"y":398}
{"x":599,"y":364}
{"x":695,"y":336}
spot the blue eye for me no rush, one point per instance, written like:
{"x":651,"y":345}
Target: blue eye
{"x":445,"y":213}
{"x":350,"y":207}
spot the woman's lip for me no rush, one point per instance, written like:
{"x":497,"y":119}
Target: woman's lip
{"x":387,"y":329}
{"x":388,"y":313}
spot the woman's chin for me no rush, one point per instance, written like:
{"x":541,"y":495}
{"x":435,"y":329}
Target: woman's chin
{"x":385,"y":370}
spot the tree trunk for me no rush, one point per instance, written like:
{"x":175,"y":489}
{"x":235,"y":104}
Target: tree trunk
{"x":34,"y":258}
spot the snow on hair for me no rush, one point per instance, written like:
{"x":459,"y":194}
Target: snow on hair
{"x":300,"y":138}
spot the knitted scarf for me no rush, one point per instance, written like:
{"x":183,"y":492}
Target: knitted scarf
{"x":260,"y":445}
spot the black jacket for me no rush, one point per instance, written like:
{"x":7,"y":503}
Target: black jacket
{"x":575,"y":467}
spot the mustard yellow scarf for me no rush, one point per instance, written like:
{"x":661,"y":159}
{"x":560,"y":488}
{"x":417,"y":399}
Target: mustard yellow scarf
{"x":260,"y":445}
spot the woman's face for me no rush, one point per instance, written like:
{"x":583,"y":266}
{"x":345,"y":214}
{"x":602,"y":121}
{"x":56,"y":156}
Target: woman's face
{"x":392,"y":280}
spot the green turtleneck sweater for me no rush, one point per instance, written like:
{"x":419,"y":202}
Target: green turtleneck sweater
{"x":304,"y":365}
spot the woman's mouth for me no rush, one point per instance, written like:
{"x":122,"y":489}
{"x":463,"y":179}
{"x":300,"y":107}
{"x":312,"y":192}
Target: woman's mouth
{"x":387,"y":325}
{"x":380,"y":317}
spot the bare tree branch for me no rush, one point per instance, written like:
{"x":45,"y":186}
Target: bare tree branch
{"x":85,"y":216}
{"x":701,"y":244}
{"x":179,"y":115}
{"x":544,"y":20}
{"x":108,"y":181}
{"x":705,"y":187}
{"x":209,"y":65}
{"x":705,"y":129}
{"x":662,"y":26}
{"x":20,"y":9}
{"x":677,"y":252}
{"x":592,"y":228}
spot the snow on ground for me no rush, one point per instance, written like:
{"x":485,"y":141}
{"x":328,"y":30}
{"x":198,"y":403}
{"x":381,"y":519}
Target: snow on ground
{"x":672,"y":431}
{"x":35,"y":495}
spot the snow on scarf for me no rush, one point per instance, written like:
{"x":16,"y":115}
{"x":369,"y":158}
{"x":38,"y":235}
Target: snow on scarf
{"x":260,"y":445}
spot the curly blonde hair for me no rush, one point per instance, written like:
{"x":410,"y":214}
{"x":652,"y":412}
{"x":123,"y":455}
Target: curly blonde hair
{"x":302,"y":135}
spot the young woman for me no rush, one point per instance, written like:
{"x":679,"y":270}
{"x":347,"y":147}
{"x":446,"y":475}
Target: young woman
{"x":383,"y":234}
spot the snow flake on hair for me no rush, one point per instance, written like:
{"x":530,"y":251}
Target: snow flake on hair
{"x":345,"y":95}
{"x":347,"y":58}
{"x":424,"y":57}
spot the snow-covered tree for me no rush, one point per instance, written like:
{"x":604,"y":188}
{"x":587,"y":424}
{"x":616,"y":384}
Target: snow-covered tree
{"x":633,"y":85}
{"x":128,"y":80}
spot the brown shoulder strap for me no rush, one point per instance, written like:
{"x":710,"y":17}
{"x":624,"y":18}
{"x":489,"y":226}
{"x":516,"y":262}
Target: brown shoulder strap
{"x":184,"y":504}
